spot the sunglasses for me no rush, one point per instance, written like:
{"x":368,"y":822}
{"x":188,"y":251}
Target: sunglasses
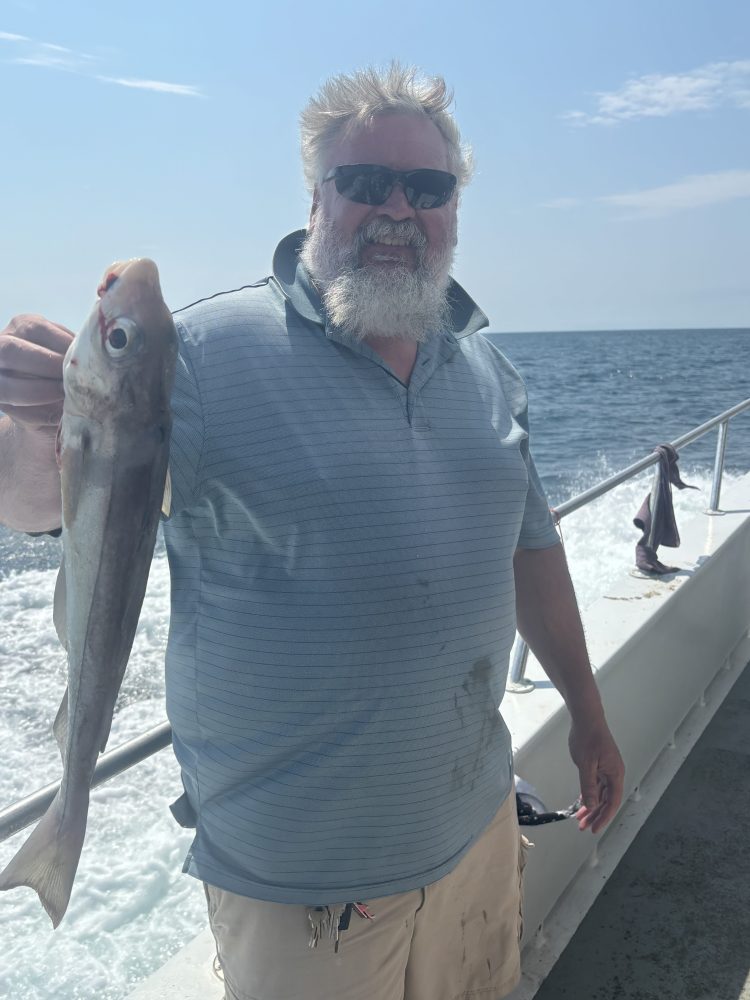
{"x":370,"y":184}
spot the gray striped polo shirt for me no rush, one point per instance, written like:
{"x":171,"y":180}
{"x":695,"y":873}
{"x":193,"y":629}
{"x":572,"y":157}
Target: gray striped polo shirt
{"x":343,"y":609}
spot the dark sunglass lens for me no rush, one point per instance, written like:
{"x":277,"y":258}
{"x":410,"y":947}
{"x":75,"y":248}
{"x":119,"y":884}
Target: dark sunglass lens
{"x":350,"y":186}
{"x":365,"y":186}
{"x":423,"y":199}
{"x":381,"y":185}
{"x":369,"y":184}
{"x":430,"y":188}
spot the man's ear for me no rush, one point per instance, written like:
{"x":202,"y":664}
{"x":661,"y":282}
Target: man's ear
{"x":313,"y":209}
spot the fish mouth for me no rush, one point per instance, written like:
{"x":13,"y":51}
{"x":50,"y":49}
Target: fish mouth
{"x":115,"y":271}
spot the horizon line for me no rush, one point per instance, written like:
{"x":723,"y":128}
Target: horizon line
{"x":627,"y":329}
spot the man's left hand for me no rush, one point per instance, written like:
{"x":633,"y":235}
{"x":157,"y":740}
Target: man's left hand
{"x":602,"y":773}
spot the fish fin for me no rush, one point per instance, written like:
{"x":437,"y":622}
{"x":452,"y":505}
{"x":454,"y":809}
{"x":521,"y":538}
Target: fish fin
{"x":48,"y":860}
{"x":59,"y":607}
{"x":60,"y":726}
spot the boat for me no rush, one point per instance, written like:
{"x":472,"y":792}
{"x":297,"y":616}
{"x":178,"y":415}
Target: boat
{"x":667,"y":652}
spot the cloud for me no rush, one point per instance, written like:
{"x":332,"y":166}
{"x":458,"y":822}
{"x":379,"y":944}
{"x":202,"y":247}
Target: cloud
{"x":183,"y":89}
{"x":658,"y":96}
{"x":48,"y":61}
{"x":696,"y":191}
{"x":49,"y":55}
{"x":56,"y":48}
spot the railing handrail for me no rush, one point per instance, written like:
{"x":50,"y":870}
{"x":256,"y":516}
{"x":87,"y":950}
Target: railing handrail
{"x":22,"y":813}
{"x":575,"y":503}
{"x":517,"y":682}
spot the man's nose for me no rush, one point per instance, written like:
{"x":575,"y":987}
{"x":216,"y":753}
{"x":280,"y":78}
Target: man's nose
{"x":396,"y":206}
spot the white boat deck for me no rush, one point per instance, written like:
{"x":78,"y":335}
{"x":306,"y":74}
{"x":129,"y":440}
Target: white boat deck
{"x":673,"y":921}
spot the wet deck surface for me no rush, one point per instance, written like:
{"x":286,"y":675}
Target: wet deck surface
{"x":673,"y":922}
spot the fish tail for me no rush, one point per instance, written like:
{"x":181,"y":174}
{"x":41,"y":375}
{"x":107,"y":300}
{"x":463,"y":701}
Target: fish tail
{"x":48,"y":860}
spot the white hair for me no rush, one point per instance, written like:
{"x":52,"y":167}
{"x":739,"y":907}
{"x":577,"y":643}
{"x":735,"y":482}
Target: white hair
{"x":394,"y":302}
{"x":347,"y":102}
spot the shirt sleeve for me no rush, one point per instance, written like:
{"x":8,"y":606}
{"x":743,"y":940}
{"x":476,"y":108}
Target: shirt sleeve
{"x":188,"y":433}
{"x":537,"y":527}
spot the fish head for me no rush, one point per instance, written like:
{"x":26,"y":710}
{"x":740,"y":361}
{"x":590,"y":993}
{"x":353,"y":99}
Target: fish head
{"x":125,"y":351}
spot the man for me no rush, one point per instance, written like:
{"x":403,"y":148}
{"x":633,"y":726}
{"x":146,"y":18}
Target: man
{"x":355,"y":523}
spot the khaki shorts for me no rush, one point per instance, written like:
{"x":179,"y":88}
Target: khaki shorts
{"x":454,"y":939}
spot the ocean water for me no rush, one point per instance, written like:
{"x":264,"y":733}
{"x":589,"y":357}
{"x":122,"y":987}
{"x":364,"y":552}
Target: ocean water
{"x":598,"y":401}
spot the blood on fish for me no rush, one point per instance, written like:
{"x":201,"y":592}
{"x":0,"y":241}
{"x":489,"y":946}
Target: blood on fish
{"x":105,"y":325}
{"x":106,"y":283}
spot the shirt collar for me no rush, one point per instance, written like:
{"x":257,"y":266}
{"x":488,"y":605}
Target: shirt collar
{"x":465,"y":315}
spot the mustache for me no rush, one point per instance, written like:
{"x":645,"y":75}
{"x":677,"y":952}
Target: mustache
{"x":406,"y":230}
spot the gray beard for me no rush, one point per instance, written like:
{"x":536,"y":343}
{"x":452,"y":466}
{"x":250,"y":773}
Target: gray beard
{"x":370,"y":301}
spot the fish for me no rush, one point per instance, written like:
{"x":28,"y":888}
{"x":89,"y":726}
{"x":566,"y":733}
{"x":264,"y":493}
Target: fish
{"x":113,"y":453}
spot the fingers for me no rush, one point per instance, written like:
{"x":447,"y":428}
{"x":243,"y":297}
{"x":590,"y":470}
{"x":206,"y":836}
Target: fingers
{"x":31,"y":361}
{"x":34,"y":417}
{"x":601,"y":773}
{"x":22,"y":357}
{"x":601,"y":816}
{"x":589,"y":785}
{"x":40,"y":331}
{"x":596,"y":818}
{"x":602,"y":807}
{"x":28,"y":390}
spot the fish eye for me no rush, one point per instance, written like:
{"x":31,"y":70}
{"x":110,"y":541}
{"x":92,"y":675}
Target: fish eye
{"x":120,"y":338}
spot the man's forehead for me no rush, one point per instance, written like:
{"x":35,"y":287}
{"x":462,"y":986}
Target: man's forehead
{"x":403,"y":141}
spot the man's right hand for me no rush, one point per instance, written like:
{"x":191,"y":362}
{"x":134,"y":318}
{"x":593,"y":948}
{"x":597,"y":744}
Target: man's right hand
{"x":31,"y":388}
{"x":31,"y":398}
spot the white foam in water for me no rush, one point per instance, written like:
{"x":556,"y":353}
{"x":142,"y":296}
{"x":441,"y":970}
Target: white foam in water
{"x":600,"y":538}
{"x":131,"y":907}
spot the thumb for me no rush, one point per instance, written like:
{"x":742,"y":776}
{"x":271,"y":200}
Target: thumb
{"x":589,"y":785}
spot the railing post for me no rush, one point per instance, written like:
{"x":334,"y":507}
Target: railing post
{"x":517,"y":682}
{"x":721,"y":447}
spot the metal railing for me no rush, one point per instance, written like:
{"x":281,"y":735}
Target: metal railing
{"x":21,"y":814}
{"x":517,"y":681}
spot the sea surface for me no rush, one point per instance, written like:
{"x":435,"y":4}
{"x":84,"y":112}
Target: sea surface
{"x":598,"y":401}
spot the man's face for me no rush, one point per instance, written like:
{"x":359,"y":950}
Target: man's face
{"x":401,"y":142}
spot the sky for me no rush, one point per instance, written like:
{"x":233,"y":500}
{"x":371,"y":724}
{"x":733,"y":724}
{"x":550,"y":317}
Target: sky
{"x":611,"y":140}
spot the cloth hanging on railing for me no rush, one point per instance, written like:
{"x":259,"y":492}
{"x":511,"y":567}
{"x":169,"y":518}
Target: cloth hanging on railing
{"x":659,"y":526}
